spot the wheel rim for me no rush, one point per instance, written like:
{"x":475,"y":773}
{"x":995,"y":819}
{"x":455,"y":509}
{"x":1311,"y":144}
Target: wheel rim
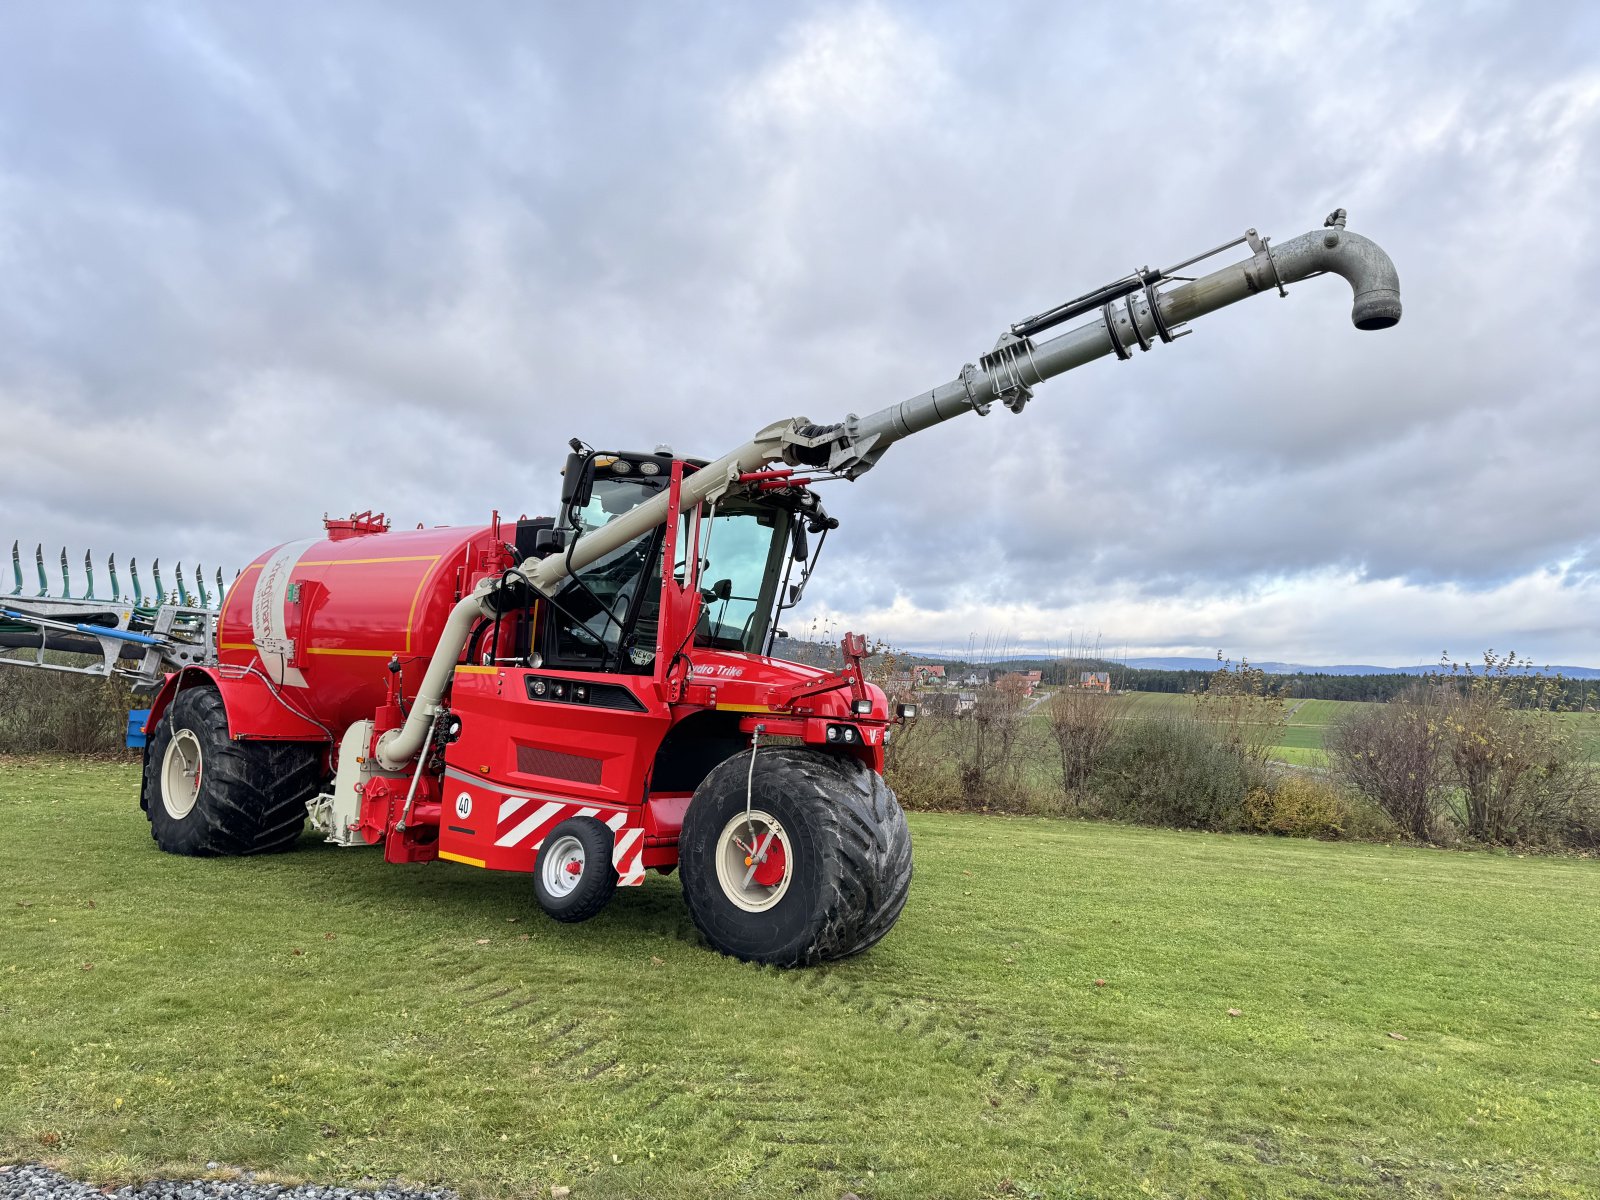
{"x":755,"y":862}
{"x":181,"y":769}
{"x":563,"y":866}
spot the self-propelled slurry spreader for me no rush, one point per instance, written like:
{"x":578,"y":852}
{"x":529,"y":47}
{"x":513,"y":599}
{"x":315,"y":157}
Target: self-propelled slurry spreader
{"x":589,"y":697}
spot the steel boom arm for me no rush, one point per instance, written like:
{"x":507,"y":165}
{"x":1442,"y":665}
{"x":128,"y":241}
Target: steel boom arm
{"x":1008,"y":374}
{"x":1129,"y":314}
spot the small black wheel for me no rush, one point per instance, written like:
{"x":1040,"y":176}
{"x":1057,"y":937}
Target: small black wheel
{"x":808,"y":859}
{"x":573,"y":877}
{"x":207,"y":795}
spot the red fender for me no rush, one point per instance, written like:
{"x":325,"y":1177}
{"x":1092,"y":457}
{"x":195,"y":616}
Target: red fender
{"x":255,"y":709}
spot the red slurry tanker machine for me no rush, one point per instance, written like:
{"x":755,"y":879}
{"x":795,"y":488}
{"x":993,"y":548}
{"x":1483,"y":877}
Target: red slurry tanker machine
{"x":590,"y":697}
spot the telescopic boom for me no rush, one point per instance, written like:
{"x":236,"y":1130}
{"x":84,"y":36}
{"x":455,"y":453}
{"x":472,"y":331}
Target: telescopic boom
{"x":1129,"y":314}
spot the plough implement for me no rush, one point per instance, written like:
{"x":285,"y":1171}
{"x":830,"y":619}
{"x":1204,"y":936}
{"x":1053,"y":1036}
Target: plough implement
{"x":139,"y":637}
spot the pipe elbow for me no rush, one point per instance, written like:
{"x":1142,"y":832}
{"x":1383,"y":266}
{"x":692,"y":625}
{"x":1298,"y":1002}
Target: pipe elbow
{"x":1359,"y":261}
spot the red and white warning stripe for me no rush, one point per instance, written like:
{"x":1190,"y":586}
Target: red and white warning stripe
{"x":513,"y":828}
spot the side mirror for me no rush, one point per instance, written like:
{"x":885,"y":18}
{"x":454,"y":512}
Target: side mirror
{"x":722,"y":589}
{"x":577,"y":481}
{"x":797,"y":541}
{"x":548,"y":541}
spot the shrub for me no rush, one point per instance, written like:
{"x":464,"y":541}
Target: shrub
{"x":1482,"y":751}
{"x":1520,"y":776}
{"x":1297,"y":804}
{"x":48,"y":712}
{"x":1173,"y":771}
{"x":1395,"y":756}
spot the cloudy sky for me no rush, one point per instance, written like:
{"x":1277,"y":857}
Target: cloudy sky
{"x":258,"y":263}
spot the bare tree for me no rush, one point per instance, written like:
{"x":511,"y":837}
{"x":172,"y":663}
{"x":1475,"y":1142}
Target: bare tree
{"x":1082,"y":723}
{"x":1243,"y":711}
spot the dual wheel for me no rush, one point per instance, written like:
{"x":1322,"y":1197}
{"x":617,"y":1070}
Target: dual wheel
{"x":805,"y":859}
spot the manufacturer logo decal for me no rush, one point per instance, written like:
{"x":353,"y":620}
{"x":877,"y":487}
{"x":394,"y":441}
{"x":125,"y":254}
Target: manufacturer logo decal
{"x":464,"y":805}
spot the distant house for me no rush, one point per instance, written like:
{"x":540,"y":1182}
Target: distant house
{"x":948,"y":704}
{"x":1095,"y":681}
{"x":901,"y":683}
{"x":1022,"y":682}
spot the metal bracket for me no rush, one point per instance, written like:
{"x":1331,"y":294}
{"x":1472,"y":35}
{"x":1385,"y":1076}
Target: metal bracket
{"x":1263,"y":249}
{"x":1153,"y":300}
{"x":1004,"y":367}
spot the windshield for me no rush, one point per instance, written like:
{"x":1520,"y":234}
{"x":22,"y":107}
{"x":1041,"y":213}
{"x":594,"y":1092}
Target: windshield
{"x":593,"y":609}
{"x":742,"y":553}
{"x":612,"y":497}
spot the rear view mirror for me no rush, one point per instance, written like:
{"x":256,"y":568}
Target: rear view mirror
{"x":577,"y":481}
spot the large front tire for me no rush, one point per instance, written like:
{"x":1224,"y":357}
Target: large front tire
{"x":207,"y":795}
{"x":816,"y":867}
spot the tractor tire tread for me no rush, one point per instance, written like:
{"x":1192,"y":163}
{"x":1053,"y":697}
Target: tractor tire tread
{"x":860,"y":836}
{"x":253,"y":794}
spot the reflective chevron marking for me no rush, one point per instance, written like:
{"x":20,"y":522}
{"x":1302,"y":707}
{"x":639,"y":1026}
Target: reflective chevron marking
{"x":517,"y":826}
{"x":628,"y":857}
{"x":541,"y":818}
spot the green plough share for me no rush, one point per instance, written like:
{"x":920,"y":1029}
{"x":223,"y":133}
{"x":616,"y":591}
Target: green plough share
{"x":77,"y":631}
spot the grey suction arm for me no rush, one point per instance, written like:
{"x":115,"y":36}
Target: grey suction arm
{"x":1130,"y":314}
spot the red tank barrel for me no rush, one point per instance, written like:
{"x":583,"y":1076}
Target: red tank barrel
{"x":322,"y":618}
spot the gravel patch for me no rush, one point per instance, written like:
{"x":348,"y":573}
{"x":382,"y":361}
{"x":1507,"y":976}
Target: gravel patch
{"x":30,"y":1181}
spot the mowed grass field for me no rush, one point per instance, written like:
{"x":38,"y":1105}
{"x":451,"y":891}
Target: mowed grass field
{"x":1051,"y":1018}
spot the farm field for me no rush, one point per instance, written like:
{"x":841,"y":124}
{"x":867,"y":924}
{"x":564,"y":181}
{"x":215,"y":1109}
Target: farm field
{"x":321,"y":1014}
{"x":1310,"y":721}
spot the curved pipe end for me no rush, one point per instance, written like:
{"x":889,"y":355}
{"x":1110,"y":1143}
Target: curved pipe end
{"x":1362,"y":263}
{"x":1376,"y":309}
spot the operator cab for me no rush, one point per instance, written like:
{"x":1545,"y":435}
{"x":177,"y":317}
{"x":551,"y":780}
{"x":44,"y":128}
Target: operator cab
{"x":606,"y":617}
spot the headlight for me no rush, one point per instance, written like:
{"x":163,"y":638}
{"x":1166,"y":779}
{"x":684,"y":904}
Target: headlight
{"x":861,"y":708}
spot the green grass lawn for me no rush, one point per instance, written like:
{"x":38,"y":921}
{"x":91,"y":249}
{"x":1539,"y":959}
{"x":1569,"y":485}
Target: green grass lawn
{"x":322,"y":1014}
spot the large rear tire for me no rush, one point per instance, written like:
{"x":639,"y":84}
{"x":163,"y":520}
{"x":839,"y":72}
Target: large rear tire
{"x":207,"y":795}
{"x":817,"y":868}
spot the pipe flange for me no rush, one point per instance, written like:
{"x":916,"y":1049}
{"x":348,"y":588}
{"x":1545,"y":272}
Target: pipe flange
{"x":1122,"y":352}
{"x":1133,"y":319}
